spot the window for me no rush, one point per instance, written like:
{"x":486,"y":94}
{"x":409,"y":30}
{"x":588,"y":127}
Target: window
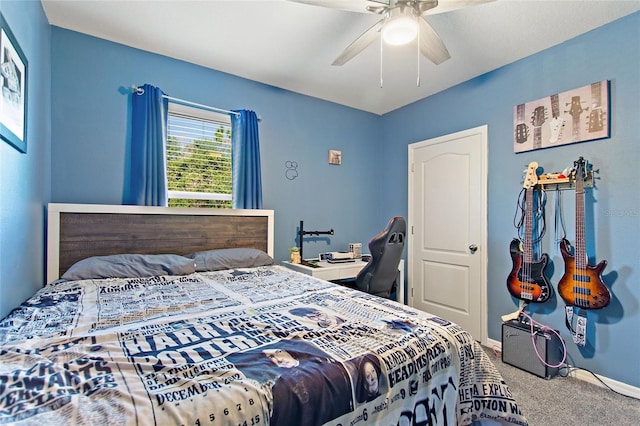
{"x":198,"y":157}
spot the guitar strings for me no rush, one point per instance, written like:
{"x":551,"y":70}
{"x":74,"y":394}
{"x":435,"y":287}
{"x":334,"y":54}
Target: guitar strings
{"x":523,"y":219}
{"x":518,"y":224}
{"x":523,"y":242}
{"x":538,"y":224}
{"x":519,"y":219}
{"x":580,"y":261}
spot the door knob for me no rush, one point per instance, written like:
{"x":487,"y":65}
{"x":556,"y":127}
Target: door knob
{"x":473,"y":248}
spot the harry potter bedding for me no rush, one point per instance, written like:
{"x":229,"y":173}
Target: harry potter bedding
{"x":258,"y":345}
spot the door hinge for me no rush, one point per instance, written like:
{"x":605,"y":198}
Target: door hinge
{"x":413,"y":167}
{"x":411,"y":229}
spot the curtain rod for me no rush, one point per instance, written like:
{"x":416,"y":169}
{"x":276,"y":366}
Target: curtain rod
{"x":140,"y":91}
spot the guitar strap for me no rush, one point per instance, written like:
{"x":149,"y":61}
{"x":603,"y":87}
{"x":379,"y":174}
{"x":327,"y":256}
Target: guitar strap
{"x":578,"y":333}
{"x":518,"y":216}
{"x":559,"y":221}
{"x":540,"y":216}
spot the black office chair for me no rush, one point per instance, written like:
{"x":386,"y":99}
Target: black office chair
{"x":380,"y":274}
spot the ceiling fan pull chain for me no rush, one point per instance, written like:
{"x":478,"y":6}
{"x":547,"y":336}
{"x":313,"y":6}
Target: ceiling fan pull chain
{"x":381,"y":44}
{"x":418,"y":49}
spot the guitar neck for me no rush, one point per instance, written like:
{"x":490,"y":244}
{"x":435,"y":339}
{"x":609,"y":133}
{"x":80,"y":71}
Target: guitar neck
{"x":555,"y":106}
{"x":581,"y":252}
{"x":575,"y":133}
{"x":520,"y":113}
{"x":527,"y":244}
{"x":537,"y":137}
{"x":575,"y":111}
{"x":596,"y":95}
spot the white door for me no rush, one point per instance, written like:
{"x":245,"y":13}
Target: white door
{"x":447,"y":228}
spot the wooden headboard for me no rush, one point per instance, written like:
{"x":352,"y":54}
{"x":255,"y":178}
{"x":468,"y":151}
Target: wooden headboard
{"x":78,"y":231}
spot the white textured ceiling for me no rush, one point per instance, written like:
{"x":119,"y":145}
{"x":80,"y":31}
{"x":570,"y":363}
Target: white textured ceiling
{"x":292,"y":45}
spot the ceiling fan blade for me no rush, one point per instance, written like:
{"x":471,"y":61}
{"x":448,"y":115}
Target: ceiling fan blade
{"x":349,"y":5}
{"x":449,"y":5}
{"x":431,"y":46}
{"x":359,"y":44}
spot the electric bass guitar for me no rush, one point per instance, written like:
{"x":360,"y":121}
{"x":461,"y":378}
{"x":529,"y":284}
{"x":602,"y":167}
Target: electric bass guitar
{"x":527,"y":280}
{"x":581,"y":285}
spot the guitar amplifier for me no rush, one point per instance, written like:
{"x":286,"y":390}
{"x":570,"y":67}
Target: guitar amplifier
{"x":518,"y":350}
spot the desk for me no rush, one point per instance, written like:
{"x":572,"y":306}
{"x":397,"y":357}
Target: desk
{"x":341,"y":271}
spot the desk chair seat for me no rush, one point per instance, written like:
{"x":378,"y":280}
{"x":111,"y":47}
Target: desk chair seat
{"x":380,"y":274}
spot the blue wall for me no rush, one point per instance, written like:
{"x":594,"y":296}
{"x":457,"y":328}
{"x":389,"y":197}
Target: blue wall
{"x":79,"y":103}
{"x":24,"y":178}
{"x":612,"y":210}
{"x":91,"y":81}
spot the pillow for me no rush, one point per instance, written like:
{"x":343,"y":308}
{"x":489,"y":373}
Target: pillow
{"x":130,"y":266}
{"x":216,"y":260}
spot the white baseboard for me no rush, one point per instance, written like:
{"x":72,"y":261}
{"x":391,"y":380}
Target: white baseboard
{"x":494,"y":344}
{"x":617,"y":386}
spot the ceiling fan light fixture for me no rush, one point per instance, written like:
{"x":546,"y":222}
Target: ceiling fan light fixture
{"x":400,"y":30}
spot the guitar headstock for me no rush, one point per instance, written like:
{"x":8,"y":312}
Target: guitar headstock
{"x":531,"y":178}
{"x":597,"y":118}
{"x":538,"y":116}
{"x":522,"y":133}
{"x":580,"y":169}
{"x":576,"y":107}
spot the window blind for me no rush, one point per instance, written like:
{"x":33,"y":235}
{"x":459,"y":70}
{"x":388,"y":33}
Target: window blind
{"x":198,"y":158}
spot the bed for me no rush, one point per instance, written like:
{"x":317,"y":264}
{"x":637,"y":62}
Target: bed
{"x":180,"y":316}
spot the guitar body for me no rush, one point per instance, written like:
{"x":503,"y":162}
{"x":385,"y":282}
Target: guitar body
{"x":582,"y":287}
{"x":527,"y":281}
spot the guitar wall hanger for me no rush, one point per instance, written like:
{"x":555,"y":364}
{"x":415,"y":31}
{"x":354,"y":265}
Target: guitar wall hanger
{"x":560,"y":181}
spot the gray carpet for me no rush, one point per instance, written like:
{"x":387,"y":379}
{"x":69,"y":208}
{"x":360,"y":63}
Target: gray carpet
{"x":565,"y":400}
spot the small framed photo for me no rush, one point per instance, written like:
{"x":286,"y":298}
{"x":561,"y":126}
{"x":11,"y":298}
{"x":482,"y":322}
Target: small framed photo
{"x":13,"y":84}
{"x":335,"y":157}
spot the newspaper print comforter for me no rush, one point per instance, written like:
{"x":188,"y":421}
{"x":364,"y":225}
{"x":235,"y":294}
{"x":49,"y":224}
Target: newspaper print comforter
{"x":240,"y":347}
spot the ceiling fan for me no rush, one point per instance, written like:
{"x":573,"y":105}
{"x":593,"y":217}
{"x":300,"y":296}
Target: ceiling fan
{"x":402,"y":22}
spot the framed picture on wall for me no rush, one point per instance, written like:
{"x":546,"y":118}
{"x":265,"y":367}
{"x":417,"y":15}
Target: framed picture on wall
{"x":13,"y":83}
{"x":335,"y":157}
{"x":577,"y":115}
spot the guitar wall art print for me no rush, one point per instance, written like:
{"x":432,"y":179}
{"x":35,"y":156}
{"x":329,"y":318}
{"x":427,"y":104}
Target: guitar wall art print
{"x":577,"y":115}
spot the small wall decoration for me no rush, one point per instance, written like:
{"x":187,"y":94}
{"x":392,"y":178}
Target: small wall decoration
{"x":291,"y":171}
{"x":576,"y":115}
{"x":335,"y":157}
{"x":13,"y":83}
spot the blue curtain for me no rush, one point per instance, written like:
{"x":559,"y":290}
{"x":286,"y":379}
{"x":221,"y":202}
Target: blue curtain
{"x":245,"y":161}
{"x":148,"y":172}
